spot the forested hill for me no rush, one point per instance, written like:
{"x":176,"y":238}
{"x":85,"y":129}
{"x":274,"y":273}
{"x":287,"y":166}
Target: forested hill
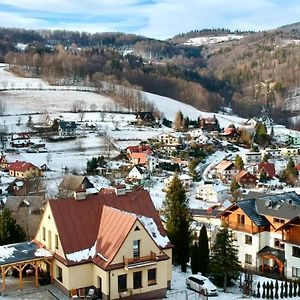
{"x":253,"y":72}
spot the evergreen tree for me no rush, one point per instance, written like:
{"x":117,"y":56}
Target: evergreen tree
{"x":10,"y":231}
{"x":179,"y":123}
{"x":234,"y":189}
{"x":203,"y":251}
{"x":224,"y":265}
{"x":290,"y":173}
{"x":239,"y":163}
{"x":178,"y":220}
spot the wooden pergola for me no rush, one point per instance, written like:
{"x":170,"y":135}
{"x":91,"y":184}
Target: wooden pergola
{"x":23,"y":255}
{"x":274,"y":254}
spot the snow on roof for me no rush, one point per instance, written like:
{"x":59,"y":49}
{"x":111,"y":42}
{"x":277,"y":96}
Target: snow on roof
{"x":101,"y":256}
{"x":6,"y":252}
{"x":84,"y":254}
{"x":41,"y":252}
{"x":19,"y":183}
{"x":152,"y":229}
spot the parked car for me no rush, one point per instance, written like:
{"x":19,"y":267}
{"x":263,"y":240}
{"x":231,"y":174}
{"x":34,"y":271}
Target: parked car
{"x":201,"y":284}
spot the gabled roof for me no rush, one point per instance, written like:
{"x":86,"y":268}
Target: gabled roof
{"x":139,"y":149}
{"x":284,"y":206}
{"x":73,"y":182}
{"x":268,"y":168}
{"x":225,"y":165}
{"x":80,"y":223}
{"x":67,"y":125}
{"x":250,"y":209}
{"x":20,"y":166}
{"x":244,"y":173}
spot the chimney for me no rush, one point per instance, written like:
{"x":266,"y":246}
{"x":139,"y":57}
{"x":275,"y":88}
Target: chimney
{"x":120,"y":189}
{"x":80,"y":193}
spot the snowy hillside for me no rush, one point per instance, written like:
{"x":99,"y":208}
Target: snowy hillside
{"x":204,"y":40}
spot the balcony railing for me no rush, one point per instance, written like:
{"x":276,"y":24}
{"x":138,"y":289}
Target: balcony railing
{"x":246,"y":228}
{"x":136,"y":262}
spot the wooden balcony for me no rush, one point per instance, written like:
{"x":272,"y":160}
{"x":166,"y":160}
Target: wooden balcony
{"x":136,"y":262}
{"x":253,"y":229}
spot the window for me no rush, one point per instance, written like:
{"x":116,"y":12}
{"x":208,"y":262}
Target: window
{"x":295,"y":272}
{"x":248,"y":239}
{"x":152,"y":276}
{"x":278,"y":243}
{"x":59,"y":274}
{"x":248,"y":259}
{"x":122,"y":283}
{"x":56,"y":241}
{"x":137,"y":280}
{"x":136,"y":248}
{"x":279,"y":221}
{"x":296,"y":251}
{"x":44,"y":234}
{"x":241,"y":219}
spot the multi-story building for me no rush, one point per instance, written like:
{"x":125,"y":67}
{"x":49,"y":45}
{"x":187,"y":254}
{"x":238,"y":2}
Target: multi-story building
{"x":262,"y":232}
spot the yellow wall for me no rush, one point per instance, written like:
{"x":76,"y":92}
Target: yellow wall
{"x":48,"y":222}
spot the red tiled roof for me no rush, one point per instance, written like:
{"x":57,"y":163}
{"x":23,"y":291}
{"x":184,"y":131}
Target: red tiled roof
{"x":20,"y":166}
{"x":139,"y":149}
{"x":78,"y":222}
{"x":268,"y":168}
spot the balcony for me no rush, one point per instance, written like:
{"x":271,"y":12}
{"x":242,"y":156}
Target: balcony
{"x":253,"y":229}
{"x":141,"y":261}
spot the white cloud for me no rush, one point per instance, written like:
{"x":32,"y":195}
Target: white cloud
{"x":160,"y":19}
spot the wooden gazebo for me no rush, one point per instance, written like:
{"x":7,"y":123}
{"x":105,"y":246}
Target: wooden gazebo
{"x":19,"y":256}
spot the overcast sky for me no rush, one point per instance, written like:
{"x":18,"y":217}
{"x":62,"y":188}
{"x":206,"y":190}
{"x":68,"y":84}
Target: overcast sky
{"x":153,"y":18}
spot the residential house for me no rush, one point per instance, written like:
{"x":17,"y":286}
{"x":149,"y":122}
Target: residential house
{"x":293,"y":140}
{"x":21,"y":139}
{"x":71,"y":183}
{"x":145,"y":118}
{"x":288,"y":152}
{"x":138,"y":173}
{"x":22,"y":169}
{"x":246,"y":179}
{"x":209,"y":124}
{"x":19,"y":187}
{"x":212,"y":193}
{"x":258,"y":227}
{"x":113,"y":243}
{"x":170,"y":140}
{"x":67,"y":128}
{"x":251,"y":158}
{"x":226,"y":170}
{"x":267,"y":168}
{"x":230,"y":133}
{"x":271,"y":153}
{"x":3,"y":162}
{"x":185,"y":180}
{"x":138,"y":154}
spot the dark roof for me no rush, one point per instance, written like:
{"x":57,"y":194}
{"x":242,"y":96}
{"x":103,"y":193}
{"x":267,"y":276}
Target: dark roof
{"x":250,"y":209}
{"x":285,"y":205}
{"x":205,"y":212}
{"x":67,"y":125}
{"x":14,"y":253}
{"x":146,"y":115}
{"x":273,"y":252}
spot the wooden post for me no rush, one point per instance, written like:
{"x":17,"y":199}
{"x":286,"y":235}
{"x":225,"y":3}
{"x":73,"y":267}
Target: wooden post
{"x":262,"y":264}
{"x":3,"y":278}
{"x":20,"y":278}
{"x":51,"y":271}
{"x":36,"y":275}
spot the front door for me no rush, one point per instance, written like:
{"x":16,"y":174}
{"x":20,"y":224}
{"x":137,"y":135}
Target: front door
{"x":100,"y":287}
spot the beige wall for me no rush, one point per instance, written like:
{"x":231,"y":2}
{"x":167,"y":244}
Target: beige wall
{"x":48,"y":223}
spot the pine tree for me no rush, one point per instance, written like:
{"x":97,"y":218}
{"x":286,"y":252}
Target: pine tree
{"x":178,"y":220}
{"x":224,"y":265}
{"x":234,"y":189}
{"x":203,"y":251}
{"x":239,"y":163}
{"x":10,"y":231}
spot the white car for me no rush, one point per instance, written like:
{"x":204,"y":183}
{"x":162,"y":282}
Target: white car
{"x":202,"y":285}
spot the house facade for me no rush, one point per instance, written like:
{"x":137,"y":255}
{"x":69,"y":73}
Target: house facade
{"x":22,"y":169}
{"x":67,"y":128}
{"x":216,"y":193}
{"x":113,"y":242}
{"x":226,"y":170}
{"x":261,"y":230}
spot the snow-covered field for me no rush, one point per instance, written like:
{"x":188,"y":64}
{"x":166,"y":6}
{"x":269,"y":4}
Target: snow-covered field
{"x":204,"y":40}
